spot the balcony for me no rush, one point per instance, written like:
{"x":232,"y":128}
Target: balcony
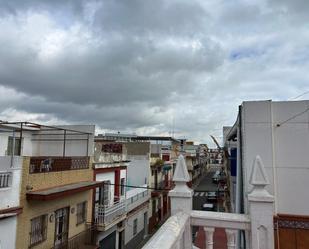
{"x":107,"y":216}
{"x":136,"y":197}
{"x":257,"y":225}
{"x":54,"y":164}
{"x":83,"y":240}
{"x":5,"y":179}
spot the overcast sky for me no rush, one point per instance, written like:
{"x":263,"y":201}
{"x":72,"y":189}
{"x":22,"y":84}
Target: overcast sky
{"x":149,"y":66}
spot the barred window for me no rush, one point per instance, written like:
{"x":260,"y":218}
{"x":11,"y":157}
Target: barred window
{"x":38,"y":230}
{"x":81,"y":212}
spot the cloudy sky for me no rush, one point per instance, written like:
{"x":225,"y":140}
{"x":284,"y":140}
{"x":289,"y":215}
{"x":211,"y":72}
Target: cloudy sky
{"x":149,"y":66}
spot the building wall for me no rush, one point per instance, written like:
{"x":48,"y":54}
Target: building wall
{"x":72,"y":148}
{"x":283,"y":150}
{"x":140,"y":164}
{"x":129,"y":237}
{"x":8,"y":233}
{"x":33,"y":208}
{"x":10,"y":196}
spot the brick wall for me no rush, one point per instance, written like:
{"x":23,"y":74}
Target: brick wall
{"x":33,"y":208}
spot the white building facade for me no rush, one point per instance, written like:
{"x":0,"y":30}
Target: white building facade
{"x":279,"y":133}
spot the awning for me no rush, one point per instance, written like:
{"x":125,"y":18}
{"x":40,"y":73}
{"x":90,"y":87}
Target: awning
{"x":61,"y":191}
{"x":167,"y":167}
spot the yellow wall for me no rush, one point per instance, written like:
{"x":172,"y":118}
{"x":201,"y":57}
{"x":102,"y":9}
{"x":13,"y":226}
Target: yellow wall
{"x":32,"y":208}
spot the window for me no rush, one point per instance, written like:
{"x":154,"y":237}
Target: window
{"x":81,"y":212}
{"x":103,"y":194}
{"x":38,"y":230}
{"x":16,"y":145}
{"x":135,"y":227}
{"x":122,"y":183}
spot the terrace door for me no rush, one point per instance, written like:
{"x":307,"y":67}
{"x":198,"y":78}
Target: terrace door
{"x":61,"y":227}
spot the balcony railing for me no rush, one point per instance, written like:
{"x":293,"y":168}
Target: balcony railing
{"x":105,"y":215}
{"x":137,"y":199}
{"x":83,"y":240}
{"x":52,"y":164}
{"x":5,"y":179}
{"x":257,"y":224}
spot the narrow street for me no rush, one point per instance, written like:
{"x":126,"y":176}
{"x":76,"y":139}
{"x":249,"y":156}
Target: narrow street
{"x":199,"y":198}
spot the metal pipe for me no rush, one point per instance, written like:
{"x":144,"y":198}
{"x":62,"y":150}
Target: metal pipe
{"x":64,"y":138}
{"x":12,"y":149}
{"x":20,"y":138}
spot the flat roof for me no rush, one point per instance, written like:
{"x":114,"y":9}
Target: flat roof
{"x":60,"y":191}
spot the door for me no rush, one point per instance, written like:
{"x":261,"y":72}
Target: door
{"x":145,"y":223}
{"x":109,"y":242}
{"x":121,"y":240}
{"x":61,"y":227}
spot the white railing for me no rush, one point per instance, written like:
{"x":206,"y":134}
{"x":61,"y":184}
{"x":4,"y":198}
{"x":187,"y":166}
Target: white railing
{"x":5,"y":179}
{"x":257,"y":225}
{"x":105,"y":215}
{"x":177,"y":229}
{"x":137,"y":199}
{"x":172,"y":233}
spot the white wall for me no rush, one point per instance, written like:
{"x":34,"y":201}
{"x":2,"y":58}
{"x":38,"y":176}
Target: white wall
{"x":140,"y":224}
{"x":8,"y":232}
{"x":9,"y":197}
{"x":72,"y":148}
{"x":138,"y":170}
{"x":52,"y":148}
{"x":284,"y":151}
{"x":26,"y":143}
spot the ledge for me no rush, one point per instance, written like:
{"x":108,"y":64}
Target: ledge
{"x":218,"y":219}
{"x":61,"y":191}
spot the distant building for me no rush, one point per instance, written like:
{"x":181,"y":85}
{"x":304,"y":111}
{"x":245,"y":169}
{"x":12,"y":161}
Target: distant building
{"x":123,"y":163}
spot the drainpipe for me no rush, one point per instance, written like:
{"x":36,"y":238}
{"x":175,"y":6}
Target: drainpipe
{"x":13,"y":149}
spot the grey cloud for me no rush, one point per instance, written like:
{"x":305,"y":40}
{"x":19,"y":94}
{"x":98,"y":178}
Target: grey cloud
{"x":137,"y":65}
{"x":147,"y":17}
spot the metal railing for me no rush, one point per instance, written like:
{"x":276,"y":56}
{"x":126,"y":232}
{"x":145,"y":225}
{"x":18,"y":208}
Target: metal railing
{"x":107,"y":214}
{"x":79,"y":241}
{"x":5,"y":179}
{"x":53,"y":164}
{"x":137,"y":197}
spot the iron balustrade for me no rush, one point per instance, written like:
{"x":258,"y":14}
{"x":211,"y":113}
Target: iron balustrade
{"x":54,"y":164}
{"x":105,"y":214}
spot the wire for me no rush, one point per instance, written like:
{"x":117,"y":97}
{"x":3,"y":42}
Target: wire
{"x":131,"y":186}
{"x":296,"y":115}
{"x":299,"y":95}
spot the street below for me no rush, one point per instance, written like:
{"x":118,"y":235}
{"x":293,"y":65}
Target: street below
{"x":200,"y":194}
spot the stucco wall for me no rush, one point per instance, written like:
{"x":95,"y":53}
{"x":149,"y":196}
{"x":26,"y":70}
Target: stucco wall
{"x":10,"y":196}
{"x":283,"y":150}
{"x":33,"y":208}
{"x":140,"y":223}
{"x":8,"y":233}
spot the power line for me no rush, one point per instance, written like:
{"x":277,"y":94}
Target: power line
{"x":132,"y":186}
{"x":299,"y":95}
{"x":296,"y":115}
